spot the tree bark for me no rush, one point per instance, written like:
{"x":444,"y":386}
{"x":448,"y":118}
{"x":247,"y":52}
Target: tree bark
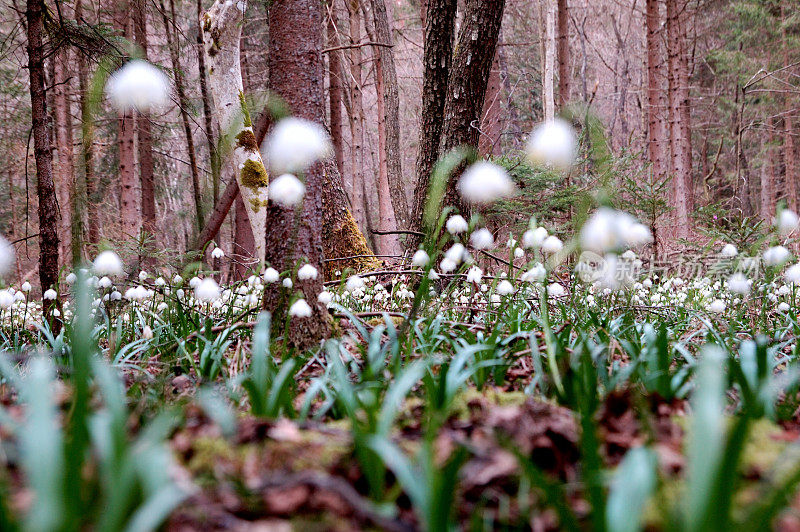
{"x":789,"y":155}
{"x":491,"y":115}
{"x":563,"y":54}
{"x":45,"y":188}
{"x":222,"y":27}
{"x":296,"y":75}
{"x":65,"y":184}
{"x":356,"y":116}
{"x":657,"y":135}
{"x":468,"y":81}
{"x":335,"y":88}
{"x":387,"y":244}
{"x":207,"y":116}
{"x":548,"y":101}
{"x":440,"y":16}
{"x":87,"y":150}
{"x":145,"y":147}
{"x":768,"y":176}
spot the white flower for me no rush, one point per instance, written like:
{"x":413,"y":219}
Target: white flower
{"x":482,"y":239}
{"x":104,"y":283}
{"x":207,"y":291}
{"x":717,"y":306}
{"x":792,"y":274}
{"x":556,"y":291}
{"x":143,"y":276}
{"x":783,"y":307}
{"x":194,"y":282}
{"x":177,"y":279}
{"x":307,"y":272}
{"x":629,"y":255}
{"x":739,"y":284}
{"x":115,"y":296}
{"x":609,"y":230}
{"x":552,"y":244}
{"x":26,"y":287}
{"x":519,"y":253}
{"x":295,"y":144}
{"x":6,"y":256}
{"x":147,"y":332}
{"x":325,"y":297}
{"x":447,"y":265}
{"x":159,"y":282}
{"x":217,"y":253}
{"x":300,"y":309}
{"x":354,"y":283}
{"x":553,"y":143}
{"x":729,"y":250}
{"x":485,"y":182}
{"x":287,"y":283}
{"x":271,"y":275}
{"x":456,"y":224}
{"x":420,"y":259}
{"x":776,"y":256}
{"x":474,"y":275}
{"x":433,"y":276}
{"x":50,"y":294}
{"x":138,"y":85}
{"x":71,"y":278}
{"x":504,"y":288}
{"x":6,"y":299}
{"x":637,"y":235}
{"x":455,"y":253}
{"x":287,"y":191}
{"x":108,"y":263}
{"x":534,"y":238}
{"x":536,"y":274}
{"x":787,"y":222}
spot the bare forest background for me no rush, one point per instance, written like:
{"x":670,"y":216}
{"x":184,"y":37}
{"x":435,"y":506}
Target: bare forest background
{"x":687,"y":112}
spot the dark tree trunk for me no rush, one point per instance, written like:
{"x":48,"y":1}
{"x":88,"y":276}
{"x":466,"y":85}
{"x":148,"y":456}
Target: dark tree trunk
{"x":562,"y":32}
{"x":145,"y":136}
{"x":440,"y":16}
{"x":466,"y":90}
{"x":45,"y":188}
{"x":87,"y":148}
{"x":296,"y":75}
{"x":335,"y":88}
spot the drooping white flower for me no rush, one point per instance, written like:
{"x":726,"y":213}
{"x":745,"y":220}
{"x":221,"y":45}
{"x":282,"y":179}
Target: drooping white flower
{"x":433,"y":276}
{"x":792,"y":274}
{"x":637,"y":235}
{"x":552,"y":244}
{"x":71,"y":278}
{"x":217,"y":253}
{"x":139,"y":86}
{"x":505,"y":288}
{"x":177,"y":279}
{"x":729,"y":250}
{"x":474,"y":275}
{"x":300,"y":309}
{"x":482,"y":239}
{"x":207,"y":291}
{"x":6,"y":256}
{"x":739,"y":284}
{"x":287,"y":191}
{"x":456,"y":224}
{"x":26,"y":287}
{"x":108,"y":263}
{"x":717,"y":306}
{"x":783,"y":306}
{"x":485,"y":182}
{"x":287,"y":283}
{"x":50,"y":294}
{"x":104,"y":283}
{"x":325,"y":297}
{"x":143,"y":276}
{"x":420,"y":259}
{"x":629,"y":255}
{"x":611,"y":230}
{"x":456,"y":253}
{"x":6,"y":299}
{"x":147,"y":332}
{"x":159,"y":282}
{"x":556,"y":291}
{"x":776,"y":256}
{"x":533,"y":238}
{"x":553,"y":143}
{"x":447,"y":265}
{"x":536,"y":274}
{"x":354,"y":283}
{"x":271,"y":275}
{"x":787,"y":222}
{"x":194,"y":282}
{"x":307,"y":272}
{"x":295,"y":144}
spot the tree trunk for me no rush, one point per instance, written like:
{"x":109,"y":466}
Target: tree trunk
{"x":356,"y":116}
{"x":222,"y":27}
{"x":65,"y":184}
{"x":657,"y":135}
{"x":768,"y":176}
{"x":491,"y":115}
{"x":296,"y":75}
{"x":174,"y":54}
{"x":335,"y":88}
{"x":548,"y":102}
{"x":87,"y":149}
{"x":440,"y":16}
{"x":383,"y":34}
{"x":387,"y":244}
{"x":792,"y":187}
{"x":145,"y":136}
{"x":678,"y":96}
{"x":467,"y":87}
{"x":45,"y":188}
{"x":563,"y":54}
{"x":207,"y":117}
{"x":243,"y":241}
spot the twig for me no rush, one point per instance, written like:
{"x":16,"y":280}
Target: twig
{"x":359,"y":45}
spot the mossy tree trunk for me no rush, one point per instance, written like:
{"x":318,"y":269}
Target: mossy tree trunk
{"x":238,"y":150}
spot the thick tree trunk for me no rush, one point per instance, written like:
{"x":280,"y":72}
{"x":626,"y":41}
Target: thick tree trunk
{"x":491,"y":115}
{"x":563,"y":54}
{"x":222,"y":27}
{"x":174,"y":54}
{"x":387,"y":244}
{"x":657,"y":134}
{"x":45,"y":188}
{"x":440,"y":16}
{"x":335,"y":88}
{"x":678,"y":96}
{"x":243,"y":241}
{"x":356,"y":116}
{"x":467,"y":87}
{"x":296,"y":75}
{"x":145,"y":147}
{"x":65,"y":184}
{"x":207,"y":117}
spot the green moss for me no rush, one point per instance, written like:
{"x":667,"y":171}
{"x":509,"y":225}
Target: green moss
{"x":256,"y":204}
{"x":245,"y":112}
{"x":206,"y":22}
{"x":254,"y":175}
{"x":247,"y":140}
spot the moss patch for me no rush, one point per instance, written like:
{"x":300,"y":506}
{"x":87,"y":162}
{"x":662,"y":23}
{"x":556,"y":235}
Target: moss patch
{"x":254,"y":175}
{"x":256,"y":204}
{"x":247,"y":140}
{"x":245,"y":112}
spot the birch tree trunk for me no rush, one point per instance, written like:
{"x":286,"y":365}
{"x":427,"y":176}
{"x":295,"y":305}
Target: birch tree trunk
{"x":549,"y":60}
{"x":222,"y":28}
